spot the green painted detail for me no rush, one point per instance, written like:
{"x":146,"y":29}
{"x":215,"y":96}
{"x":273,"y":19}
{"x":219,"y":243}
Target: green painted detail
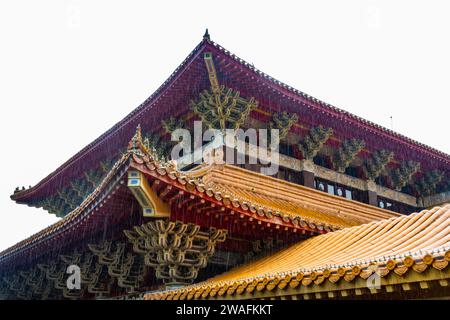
{"x":158,"y":146}
{"x":427,"y":185}
{"x":446,"y":185}
{"x":68,"y":198}
{"x":107,"y":165}
{"x":223,"y":108}
{"x":172,"y":124}
{"x":402,"y":175}
{"x":82,"y":187}
{"x":314,"y":140}
{"x":55,"y":205}
{"x":94,"y":176}
{"x":374,"y":166}
{"x":346,"y":153}
{"x":283,"y":121}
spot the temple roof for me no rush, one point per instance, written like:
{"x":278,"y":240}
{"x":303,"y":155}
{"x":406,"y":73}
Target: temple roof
{"x":262,"y":198}
{"x":269,"y":194}
{"x":83,"y":215}
{"x":190,"y":78}
{"x":391,"y":246}
{"x":254,"y":197}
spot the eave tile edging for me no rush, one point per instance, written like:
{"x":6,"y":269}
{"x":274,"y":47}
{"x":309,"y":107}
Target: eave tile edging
{"x":399,"y":264}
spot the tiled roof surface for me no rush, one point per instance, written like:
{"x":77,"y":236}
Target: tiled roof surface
{"x":70,"y":220}
{"x":254,"y":193}
{"x":275,"y":195}
{"x":315,"y":105}
{"x":222,"y":184}
{"x":262,"y":197}
{"x":416,"y":241}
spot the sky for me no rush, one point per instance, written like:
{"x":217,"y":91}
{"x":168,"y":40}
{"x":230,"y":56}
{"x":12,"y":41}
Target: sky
{"x":69,"y":70}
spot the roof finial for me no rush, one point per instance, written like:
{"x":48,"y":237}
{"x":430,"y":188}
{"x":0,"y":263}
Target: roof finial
{"x":206,"y":35}
{"x":136,"y":142}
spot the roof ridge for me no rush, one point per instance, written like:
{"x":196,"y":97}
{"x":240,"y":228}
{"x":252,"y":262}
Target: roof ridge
{"x":325,"y":104}
{"x":206,"y":42}
{"x":114,"y":128}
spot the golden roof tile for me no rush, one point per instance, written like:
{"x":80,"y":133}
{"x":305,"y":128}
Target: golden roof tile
{"x":418,"y":241}
{"x":293,"y":200}
{"x":263,"y":196}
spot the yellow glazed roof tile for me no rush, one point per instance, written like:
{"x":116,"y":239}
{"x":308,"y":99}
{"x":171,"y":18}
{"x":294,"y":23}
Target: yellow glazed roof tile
{"x":264,"y":196}
{"x":421,"y":236}
{"x":295,"y":200}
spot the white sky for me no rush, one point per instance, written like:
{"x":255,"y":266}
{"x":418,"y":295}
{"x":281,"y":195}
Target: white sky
{"x":69,"y":70}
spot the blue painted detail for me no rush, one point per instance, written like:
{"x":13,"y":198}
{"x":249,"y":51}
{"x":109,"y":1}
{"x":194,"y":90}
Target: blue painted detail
{"x":149,"y":212}
{"x":133,"y":182}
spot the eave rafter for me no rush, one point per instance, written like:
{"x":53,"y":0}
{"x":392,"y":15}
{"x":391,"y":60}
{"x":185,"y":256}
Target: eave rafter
{"x":84,"y":217}
{"x":192,"y":187}
{"x":68,"y":198}
{"x":317,"y":286}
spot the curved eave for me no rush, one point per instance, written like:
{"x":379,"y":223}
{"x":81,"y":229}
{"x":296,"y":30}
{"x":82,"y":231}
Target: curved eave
{"x":129,"y":121}
{"x":315,"y":211}
{"x":333,"y":111}
{"x":413,"y":248}
{"x":69,"y":223}
{"x":265,"y":82}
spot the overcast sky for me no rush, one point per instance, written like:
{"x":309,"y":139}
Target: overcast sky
{"x":69,"y":70}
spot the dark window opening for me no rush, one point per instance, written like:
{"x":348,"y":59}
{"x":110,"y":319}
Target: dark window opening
{"x":287,"y":149}
{"x":352,"y":171}
{"x":322,"y":161}
{"x":395,"y":206}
